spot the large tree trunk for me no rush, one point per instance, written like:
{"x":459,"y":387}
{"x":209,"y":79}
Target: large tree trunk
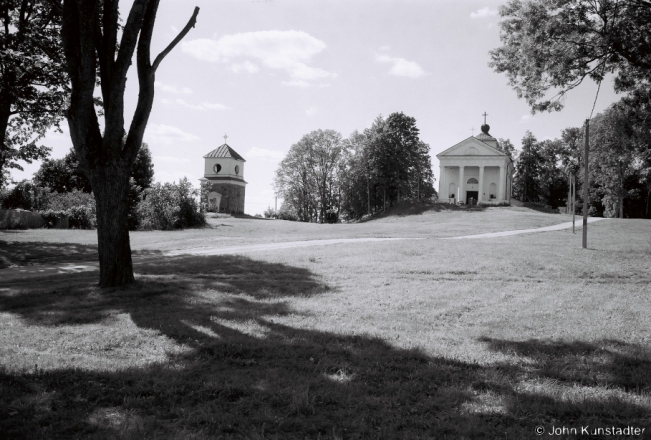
{"x":111,"y":189}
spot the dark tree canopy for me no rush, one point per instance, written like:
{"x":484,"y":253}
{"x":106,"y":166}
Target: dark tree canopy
{"x":551,"y":46}
{"x":33,"y":83}
{"x":64,"y":175}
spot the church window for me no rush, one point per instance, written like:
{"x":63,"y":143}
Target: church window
{"x":217,"y":168}
{"x":237,"y":170}
{"x":472,"y":181}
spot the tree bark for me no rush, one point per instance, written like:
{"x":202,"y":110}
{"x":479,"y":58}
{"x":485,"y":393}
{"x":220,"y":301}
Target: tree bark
{"x":107,"y":157}
{"x":111,"y":189}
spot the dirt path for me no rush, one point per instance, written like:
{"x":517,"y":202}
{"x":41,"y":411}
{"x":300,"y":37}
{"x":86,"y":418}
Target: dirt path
{"x":558,"y":227}
{"x":20,"y":272}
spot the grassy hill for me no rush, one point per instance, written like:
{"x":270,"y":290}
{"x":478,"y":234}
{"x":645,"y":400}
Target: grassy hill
{"x":410,"y":339}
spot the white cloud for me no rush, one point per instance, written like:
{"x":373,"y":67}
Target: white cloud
{"x":384,"y":48}
{"x":281,"y":50}
{"x":310,"y":111}
{"x":296,"y":83}
{"x":202,"y":106}
{"x":525,"y":117}
{"x":261,"y":153}
{"x":246,"y":66}
{"x":402,"y":67}
{"x":167,"y":135}
{"x":172,"y":89}
{"x":483,"y":12}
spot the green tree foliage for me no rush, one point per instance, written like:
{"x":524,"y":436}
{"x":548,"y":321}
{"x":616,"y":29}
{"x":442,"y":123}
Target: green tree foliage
{"x":62,"y":175}
{"x":169,"y":206}
{"x":385,"y":164}
{"x":613,"y":158}
{"x":526,"y":182}
{"x":507,"y":147}
{"x":65,"y":175}
{"x":25,"y":195}
{"x":553,"y":45}
{"x":307,"y":177}
{"x":33,"y":83}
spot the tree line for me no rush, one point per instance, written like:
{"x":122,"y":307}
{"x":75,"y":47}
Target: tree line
{"x":619,"y":167}
{"x":325,"y":178}
{"x":549,"y":47}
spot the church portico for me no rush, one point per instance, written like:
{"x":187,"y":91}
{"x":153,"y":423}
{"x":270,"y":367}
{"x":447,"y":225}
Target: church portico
{"x":475,"y":169}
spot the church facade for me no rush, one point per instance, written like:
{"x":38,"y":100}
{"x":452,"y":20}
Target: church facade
{"x":223,"y":188}
{"x":475,"y":170}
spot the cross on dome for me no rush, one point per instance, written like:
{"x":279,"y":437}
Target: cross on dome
{"x":484,"y":115}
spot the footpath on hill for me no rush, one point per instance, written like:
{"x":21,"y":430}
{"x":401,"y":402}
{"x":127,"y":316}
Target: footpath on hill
{"x":18,"y":272}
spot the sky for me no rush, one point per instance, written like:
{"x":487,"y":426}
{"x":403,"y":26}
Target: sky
{"x":265,"y":73}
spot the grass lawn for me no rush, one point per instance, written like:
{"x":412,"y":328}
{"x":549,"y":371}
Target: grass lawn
{"x":412,"y":339}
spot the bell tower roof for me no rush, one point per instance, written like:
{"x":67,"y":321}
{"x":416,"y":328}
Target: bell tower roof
{"x":225,"y":151}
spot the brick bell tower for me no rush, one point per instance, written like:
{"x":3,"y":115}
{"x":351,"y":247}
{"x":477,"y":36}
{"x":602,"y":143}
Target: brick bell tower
{"x":223,"y":186}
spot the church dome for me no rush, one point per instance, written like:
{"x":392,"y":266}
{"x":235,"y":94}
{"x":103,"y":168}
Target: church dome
{"x":485,"y":128}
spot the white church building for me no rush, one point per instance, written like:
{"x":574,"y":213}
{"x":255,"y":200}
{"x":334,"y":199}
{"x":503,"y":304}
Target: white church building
{"x":475,"y":170}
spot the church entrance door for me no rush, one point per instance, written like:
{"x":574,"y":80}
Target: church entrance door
{"x":472,"y":195}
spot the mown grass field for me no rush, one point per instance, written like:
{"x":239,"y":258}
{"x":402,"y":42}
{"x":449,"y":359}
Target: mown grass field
{"x":412,"y":339}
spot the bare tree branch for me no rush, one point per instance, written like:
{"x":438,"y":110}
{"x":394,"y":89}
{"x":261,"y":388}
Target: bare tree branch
{"x":186,"y":29}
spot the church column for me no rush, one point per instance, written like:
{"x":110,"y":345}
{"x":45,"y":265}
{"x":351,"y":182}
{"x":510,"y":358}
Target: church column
{"x":441,"y":181}
{"x":462,"y":184}
{"x":480,"y":193}
{"x":501,"y":196}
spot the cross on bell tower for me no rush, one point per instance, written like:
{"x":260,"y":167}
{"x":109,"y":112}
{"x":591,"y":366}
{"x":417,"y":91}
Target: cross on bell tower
{"x":225,"y":137}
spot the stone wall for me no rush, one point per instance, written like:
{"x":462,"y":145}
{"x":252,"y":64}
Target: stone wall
{"x":232,"y":196}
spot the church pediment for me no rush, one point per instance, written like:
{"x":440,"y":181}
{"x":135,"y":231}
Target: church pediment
{"x":471,"y":147}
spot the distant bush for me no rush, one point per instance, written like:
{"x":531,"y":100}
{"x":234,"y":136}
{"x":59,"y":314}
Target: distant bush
{"x":78,"y":206}
{"x":270,"y":213}
{"x":66,"y":200}
{"x":286,"y":213}
{"x":52,"y":217}
{"x":82,"y":217}
{"x":169,"y":206}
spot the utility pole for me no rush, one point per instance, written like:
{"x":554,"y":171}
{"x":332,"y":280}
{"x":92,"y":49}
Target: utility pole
{"x":573,"y":204}
{"x":586,"y":183}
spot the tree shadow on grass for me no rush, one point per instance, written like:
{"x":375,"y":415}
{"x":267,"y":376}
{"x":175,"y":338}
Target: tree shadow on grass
{"x":31,"y":253}
{"x":242,"y":371}
{"x":27,"y":253}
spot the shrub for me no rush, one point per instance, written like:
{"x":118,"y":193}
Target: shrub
{"x":67,"y":200}
{"x":270,"y":213}
{"x":287,"y":213}
{"x":169,"y":206}
{"x":82,"y":217}
{"x":51,"y":217}
{"x":78,"y":206}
